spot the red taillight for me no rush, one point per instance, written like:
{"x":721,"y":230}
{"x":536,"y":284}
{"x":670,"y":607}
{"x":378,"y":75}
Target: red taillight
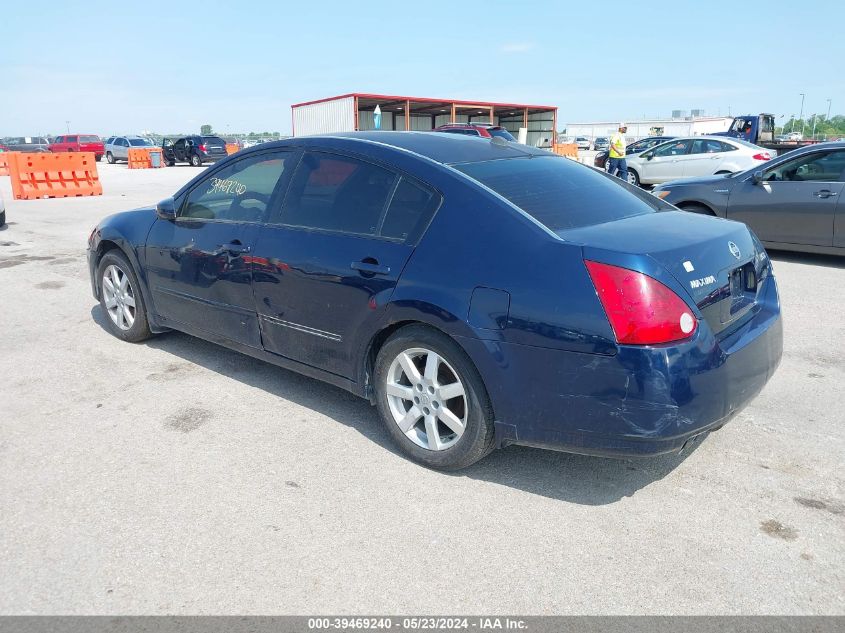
{"x":762,"y":156}
{"x":202,"y":147}
{"x":641,"y":310}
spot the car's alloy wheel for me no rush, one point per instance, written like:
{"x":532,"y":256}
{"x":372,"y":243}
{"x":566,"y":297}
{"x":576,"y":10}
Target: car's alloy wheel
{"x":427,"y":399}
{"x":633,"y":178}
{"x":109,"y":158}
{"x":432,"y":399}
{"x":195,"y":160}
{"x":119,"y":297}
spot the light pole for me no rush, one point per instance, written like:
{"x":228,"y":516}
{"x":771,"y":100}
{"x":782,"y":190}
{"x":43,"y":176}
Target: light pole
{"x":67,"y":126}
{"x":814,"y":127}
{"x":801,"y":116}
{"x":792,"y":116}
{"x":827,"y":118}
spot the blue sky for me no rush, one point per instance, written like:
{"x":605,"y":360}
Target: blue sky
{"x":121,"y":67}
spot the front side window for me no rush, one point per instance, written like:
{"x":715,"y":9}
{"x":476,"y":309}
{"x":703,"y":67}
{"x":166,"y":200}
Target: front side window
{"x":817,"y":167}
{"x":338,"y":193}
{"x":676,"y":148}
{"x":59,"y":139}
{"x":241,"y":192}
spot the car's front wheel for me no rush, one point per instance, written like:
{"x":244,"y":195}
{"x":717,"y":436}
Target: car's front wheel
{"x":196,"y":161}
{"x":432,"y":400}
{"x":2,"y":218}
{"x":121,"y":299}
{"x":633,"y":177}
{"x":110,"y":158}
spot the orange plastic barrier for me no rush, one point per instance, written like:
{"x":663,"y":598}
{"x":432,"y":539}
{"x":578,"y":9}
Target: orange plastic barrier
{"x":566,"y":149}
{"x":46,"y":175}
{"x":231,"y":148}
{"x":141,"y":158}
{"x":4,"y":163}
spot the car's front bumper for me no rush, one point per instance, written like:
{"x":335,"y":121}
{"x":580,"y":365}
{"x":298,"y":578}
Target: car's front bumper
{"x":640,"y":401}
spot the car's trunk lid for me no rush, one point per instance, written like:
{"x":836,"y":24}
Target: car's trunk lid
{"x":718,"y":262}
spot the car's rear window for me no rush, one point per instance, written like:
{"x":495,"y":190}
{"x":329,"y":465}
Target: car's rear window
{"x":213,"y":140}
{"x":501,"y":133}
{"x":559,"y":193}
{"x":89,"y":139}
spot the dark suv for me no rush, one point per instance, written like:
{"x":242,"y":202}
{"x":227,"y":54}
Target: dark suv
{"x":195,"y":150}
{"x":484,"y":130}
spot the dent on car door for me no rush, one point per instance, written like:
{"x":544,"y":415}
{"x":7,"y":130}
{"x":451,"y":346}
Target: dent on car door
{"x":330,"y":261}
{"x":200,"y":264}
{"x":796,"y":200}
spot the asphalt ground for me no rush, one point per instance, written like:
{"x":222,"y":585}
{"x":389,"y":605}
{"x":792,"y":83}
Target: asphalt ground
{"x":176,"y":476}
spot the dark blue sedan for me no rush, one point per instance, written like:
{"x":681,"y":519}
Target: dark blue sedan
{"x":480,"y":293}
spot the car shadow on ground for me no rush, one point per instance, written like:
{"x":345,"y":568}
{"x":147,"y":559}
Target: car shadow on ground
{"x":811,"y":259}
{"x":563,"y":476}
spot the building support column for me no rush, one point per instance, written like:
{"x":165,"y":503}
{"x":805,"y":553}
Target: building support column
{"x":407,"y":115}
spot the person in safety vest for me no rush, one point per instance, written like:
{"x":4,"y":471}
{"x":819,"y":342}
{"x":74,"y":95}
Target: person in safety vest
{"x":616,"y":154}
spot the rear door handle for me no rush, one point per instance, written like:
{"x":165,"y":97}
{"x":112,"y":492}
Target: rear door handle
{"x":370,"y":267}
{"x":824,"y":193}
{"x":235,"y":248}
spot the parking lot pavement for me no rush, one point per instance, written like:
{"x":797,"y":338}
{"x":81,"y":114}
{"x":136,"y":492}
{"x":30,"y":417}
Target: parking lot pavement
{"x":178,"y":477}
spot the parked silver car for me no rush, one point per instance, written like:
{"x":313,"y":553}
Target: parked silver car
{"x":694,"y":156}
{"x":117,"y":147}
{"x":583,"y":142}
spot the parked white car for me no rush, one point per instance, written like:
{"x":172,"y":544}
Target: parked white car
{"x":583,"y":142}
{"x":117,"y":147}
{"x":693,"y":156}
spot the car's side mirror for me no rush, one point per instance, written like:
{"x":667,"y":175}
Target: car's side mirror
{"x":166,"y":209}
{"x":648,"y":156}
{"x":757,"y":177}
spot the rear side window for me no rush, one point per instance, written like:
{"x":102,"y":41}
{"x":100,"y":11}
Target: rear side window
{"x":708,"y":146}
{"x":139,"y":142}
{"x":70,"y":139}
{"x":338,"y":193}
{"x":412,"y":205}
{"x":559,"y":193}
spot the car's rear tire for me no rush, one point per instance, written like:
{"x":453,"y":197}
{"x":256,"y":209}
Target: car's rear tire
{"x":98,"y":157}
{"x":633,"y":177}
{"x":2,"y":219}
{"x":121,"y":298}
{"x":698,"y":208}
{"x":110,"y":158}
{"x":196,"y":161}
{"x":432,"y":400}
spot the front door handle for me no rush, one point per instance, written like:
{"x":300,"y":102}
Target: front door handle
{"x":370,"y":266}
{"x":824,"y":193}
{"x":235,"y":248}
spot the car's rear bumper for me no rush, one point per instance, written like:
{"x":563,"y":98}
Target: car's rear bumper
{"x":641,"y":401}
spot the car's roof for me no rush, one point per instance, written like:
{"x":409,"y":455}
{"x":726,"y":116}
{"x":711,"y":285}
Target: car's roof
{"x":441,"y":148}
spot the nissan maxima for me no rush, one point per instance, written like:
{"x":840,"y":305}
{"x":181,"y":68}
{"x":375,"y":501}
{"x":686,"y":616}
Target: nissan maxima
{"x":479,"y":293}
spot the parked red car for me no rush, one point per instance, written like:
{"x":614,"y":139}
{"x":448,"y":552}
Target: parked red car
{"x":79,"y":143}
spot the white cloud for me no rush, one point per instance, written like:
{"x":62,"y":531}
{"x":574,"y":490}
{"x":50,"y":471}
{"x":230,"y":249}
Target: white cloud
{"x":517,"y":47}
